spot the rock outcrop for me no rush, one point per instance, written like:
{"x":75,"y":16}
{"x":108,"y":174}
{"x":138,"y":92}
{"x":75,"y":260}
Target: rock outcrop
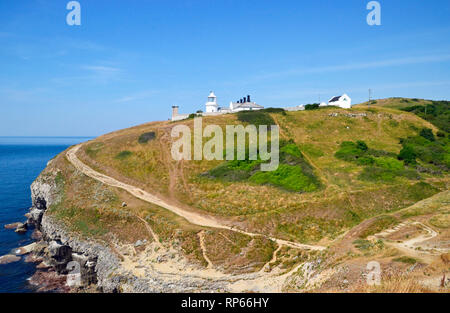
{"x":88,"y":261}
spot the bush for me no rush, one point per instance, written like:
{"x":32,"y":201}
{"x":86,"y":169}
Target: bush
{"x":361,"y":145}
{"x":440,"y":134}
{"x":313,"y":106}
{"x":437,"y":113}
{"x":274,"y":110}
{"x":255,"y":118}
{"x":294,"y":173}
{"x":286,"y":176}
{"x":350,"y":151}
{"x":427,"y":134}
{"x":405,"y":259}
{"x":146,"y":137}
{"x":389,"y":163}
{"x":123,"y":155}
{"x":365,"y":161}
{"x":408,"y":155}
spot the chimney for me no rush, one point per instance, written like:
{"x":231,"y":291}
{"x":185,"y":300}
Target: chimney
{"x":174,"y":110}
{"x":248,"y":98}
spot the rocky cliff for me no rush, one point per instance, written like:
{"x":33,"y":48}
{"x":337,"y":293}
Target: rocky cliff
{"x":86,"y":262}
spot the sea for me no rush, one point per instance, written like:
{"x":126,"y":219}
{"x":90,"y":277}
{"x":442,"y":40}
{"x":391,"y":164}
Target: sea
{"x":21,"y":161}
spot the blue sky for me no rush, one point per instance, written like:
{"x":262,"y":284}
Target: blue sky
{"x":130,"y":61}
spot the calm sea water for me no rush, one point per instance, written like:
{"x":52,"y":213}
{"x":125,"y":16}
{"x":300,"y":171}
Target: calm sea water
{"x":21,"y":161}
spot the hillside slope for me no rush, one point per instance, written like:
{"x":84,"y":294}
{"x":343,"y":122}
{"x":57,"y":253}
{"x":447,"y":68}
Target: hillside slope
{"x":343,"y":179}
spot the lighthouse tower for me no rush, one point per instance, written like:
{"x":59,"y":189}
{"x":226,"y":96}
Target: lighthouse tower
{"x":211,"y":105}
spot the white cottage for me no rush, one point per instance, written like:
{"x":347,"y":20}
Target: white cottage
{"x":343,"y":101}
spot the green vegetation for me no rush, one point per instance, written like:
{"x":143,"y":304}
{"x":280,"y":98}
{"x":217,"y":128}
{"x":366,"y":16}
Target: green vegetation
{"x":274,"y":110}
{"x":287,"y":177}
{"x":405,"y":259}
{"x":255,"y":118}
{"x":292,"y":174}
{"x":123,"y":155}
{"x":378,"y":165}
{"x":313,"y":106}
{"x":146,"y":137}
{"x":437,"y":113}
{"x":427,"y":134}
{"x":428,"y":149}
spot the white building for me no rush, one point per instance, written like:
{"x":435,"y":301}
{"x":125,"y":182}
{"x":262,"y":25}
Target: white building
{"x":245,"y":104}
{"x":211,"y":105}
{"x":343,"y":101}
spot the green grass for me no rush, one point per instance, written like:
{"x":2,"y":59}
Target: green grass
{"x":287,"y":177}
{"x":293,"y":173}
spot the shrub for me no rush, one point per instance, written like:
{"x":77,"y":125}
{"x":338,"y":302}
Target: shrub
{"x":361,"y":145}
{"x":274,"y":110}
{"x":313,"y":106}
{"x":255,"y":117}
{"x":365,"y":161}
{"x":146,"y":137}
{"x":123,"y":155}
{"x":440,"y":134}
{"x":350,"y":151}
{"x":408,"y":155}
{"x":405,"y":259}
{"x":286,"y":176}
{"x":427,"y":134}
{"x":389,"y":163}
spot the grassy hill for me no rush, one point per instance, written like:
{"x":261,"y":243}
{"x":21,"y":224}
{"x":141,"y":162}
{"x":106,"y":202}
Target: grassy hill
{"x":436,"y":112}
{"x":324,"y":184}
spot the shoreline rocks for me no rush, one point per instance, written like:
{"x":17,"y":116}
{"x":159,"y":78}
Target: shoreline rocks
{"x":9,"y":258}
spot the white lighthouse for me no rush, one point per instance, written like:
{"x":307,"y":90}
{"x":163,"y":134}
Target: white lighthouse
{"x":211,"y":105}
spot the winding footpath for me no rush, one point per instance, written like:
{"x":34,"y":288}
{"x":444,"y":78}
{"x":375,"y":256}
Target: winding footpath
{"x":192,"y":217}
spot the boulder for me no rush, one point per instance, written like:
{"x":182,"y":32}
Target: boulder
{"x":35,"y":216}
{"x":21,"y":228}
{"x":12,"y":225}
{"x":9,"y":258}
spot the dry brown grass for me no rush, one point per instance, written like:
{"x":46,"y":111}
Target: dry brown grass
{"x":343,"y":202}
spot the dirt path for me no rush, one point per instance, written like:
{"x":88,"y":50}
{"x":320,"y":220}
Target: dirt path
{"x":192,"y":217}
{"x":274,"y":258}
{"x":150,"y":231}
{"x":416,"y":246}
{"x":201,"y":237}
